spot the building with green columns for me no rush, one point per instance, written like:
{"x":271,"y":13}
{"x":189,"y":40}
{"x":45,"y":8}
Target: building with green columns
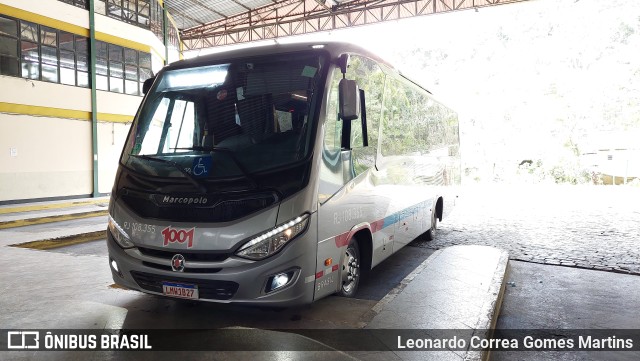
{"x":71,"y":75}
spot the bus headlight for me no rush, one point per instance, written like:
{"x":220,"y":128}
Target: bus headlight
{"x":121,"y":237}
{"x":271,"y":242}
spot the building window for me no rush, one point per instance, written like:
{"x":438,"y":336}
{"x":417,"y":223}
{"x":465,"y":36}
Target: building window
{"x":9,"y":62}
{"x":116,"y":70}
{"x":157,"y":21}
{"x":144,"y":13}
{"x":39,"y":52}
{"x":79,"y":3}
{"x":82,"y":61}
{"x":148,"y":14}
{"x":102,"y":65}
{"x":49,"y":53}
{"x":145,"y":68}
{"x":131,"y":72}
{"x":30,"y":50}
{"x":67,"y":58}
{"x":135,"y":12}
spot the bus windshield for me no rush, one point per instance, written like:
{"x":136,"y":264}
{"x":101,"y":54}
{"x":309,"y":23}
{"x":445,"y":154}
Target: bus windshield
{"x":226,"y":120}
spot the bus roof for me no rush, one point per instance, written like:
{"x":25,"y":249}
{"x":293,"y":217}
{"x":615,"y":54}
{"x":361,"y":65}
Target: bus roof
{"x":334,"y":49}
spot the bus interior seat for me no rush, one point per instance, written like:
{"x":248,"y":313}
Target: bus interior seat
{"x":200,"y":136}
{"x":221,"y":120}
{"x":256,"y":114}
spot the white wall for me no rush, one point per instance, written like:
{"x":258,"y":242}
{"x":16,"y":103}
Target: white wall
{"x":111,"y":138}
{"x":116,"y":103}
{"x":53,"y":9}
{"x":52,"y":157}
{"x":41,"y":93}
{"x":45,"y":132}
{"x":54,"y":154}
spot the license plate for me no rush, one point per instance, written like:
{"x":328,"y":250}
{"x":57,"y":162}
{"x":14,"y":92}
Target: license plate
{"x":181,"y":290}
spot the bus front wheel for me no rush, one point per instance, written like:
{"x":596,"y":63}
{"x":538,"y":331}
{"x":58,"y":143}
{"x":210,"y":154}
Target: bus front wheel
{"x":350,"y":270}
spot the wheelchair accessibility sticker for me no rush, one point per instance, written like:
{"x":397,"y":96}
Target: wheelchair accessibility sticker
{"x":201,"y":166}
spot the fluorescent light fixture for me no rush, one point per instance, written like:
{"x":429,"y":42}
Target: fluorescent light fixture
{"x":193,"y":78}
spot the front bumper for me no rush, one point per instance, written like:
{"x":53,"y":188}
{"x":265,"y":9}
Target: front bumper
{"x":234,"y":280}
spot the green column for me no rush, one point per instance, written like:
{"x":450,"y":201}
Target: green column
{"x":165,"y":34}
{"x":94,"y":101}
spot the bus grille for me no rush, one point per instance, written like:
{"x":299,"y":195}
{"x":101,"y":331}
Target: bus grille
{"x":207,"y":289}
{"x":186,"y":269}
{"x":224,"y":211}
{"x":188,"y":256}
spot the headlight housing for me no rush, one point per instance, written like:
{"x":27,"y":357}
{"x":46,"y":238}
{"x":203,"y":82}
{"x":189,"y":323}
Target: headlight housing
{"x":121,"y":237}
{"x":269,"y":243}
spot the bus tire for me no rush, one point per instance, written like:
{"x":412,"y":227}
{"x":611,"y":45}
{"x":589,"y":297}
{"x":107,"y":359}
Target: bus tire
{"x":350,"y":270}
{"x":431,"y":233}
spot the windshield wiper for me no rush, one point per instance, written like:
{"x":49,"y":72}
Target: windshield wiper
{"x":201,"y":187}
{"x":232,"y":155}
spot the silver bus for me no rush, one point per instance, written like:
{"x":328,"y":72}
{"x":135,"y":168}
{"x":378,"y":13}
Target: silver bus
{"x":277,"y":175}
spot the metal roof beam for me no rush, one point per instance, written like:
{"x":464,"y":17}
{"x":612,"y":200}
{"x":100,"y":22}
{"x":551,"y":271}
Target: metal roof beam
{"x":296,"y":17}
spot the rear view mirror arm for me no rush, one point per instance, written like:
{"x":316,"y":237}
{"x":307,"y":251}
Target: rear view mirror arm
{"x":363,"y":119}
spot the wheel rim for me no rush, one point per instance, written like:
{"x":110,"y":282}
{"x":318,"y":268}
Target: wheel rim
{"x":350,"y":270}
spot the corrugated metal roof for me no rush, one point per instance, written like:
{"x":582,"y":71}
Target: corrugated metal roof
{"x":190,"y":13}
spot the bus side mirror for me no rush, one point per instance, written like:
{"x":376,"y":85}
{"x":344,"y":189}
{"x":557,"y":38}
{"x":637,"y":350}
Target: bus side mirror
{"x":147,"y":85}
{"x":349,"y":100}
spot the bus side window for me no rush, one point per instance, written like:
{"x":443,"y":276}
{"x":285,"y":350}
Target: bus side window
{"x":371,"y":79}
{"x":333,"y":124}
{"x":331,"y":178}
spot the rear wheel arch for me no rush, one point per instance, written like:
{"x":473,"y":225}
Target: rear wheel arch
{"x":434,"y":218}
{"x":439,"y":208}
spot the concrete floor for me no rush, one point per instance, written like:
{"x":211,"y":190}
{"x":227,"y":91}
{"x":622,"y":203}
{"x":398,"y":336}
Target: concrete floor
{"x":537,"y":296}
{"x":553,"y":297}
{"x":379,"y":282}
{"x":71,"y":288}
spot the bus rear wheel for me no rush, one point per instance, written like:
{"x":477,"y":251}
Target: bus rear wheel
{"x":350,"y":270}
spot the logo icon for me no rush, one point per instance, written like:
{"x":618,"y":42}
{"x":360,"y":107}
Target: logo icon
{"x":180,"y":200}
{"x":172,"y":235}
{"x":23,"y":339}
{"x":201,"y":166}
{"x":177,"y":263}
